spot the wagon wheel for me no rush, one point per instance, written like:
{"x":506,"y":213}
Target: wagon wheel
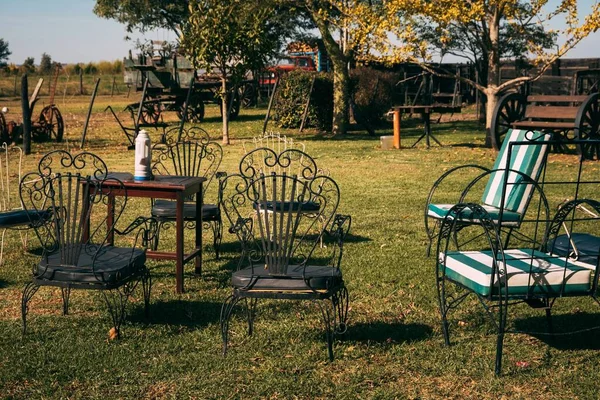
{"x":248,"y":95}
{"x":4,"y":138}
{"x":235,"y":107}
{"x":510,"y":108}
{"x":150,"y":113}
{"x":50,"y":125}
{"x":587,"y":125}
{"x":195,"y":111}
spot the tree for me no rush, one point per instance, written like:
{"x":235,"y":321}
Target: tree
{"x":28,"y":65}
{"x":45,"y":66}
{"x":487,"y":29}
{"x":4,"y":52}
{"x":229,"y":37}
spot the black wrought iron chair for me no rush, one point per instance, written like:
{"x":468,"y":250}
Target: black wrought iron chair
{"x":562,"y":259}
{"x":73,"y":191}
{"x":191,"y":154}
{"x":274,"y":217}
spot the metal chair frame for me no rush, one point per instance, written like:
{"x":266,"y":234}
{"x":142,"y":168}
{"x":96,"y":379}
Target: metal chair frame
{"x":190,"y":154}
{"x":274,"y":218}
{"x":75,"y":254}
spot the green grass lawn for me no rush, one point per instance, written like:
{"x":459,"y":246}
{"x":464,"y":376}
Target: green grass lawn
{"x":393,"y":347}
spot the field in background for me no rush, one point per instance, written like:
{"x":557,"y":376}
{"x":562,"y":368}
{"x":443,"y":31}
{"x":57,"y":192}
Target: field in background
{"x":393,"y":347}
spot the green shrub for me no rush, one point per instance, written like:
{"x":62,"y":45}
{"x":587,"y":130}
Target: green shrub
{"x":291,"y":100}
{"x":373,"y":92}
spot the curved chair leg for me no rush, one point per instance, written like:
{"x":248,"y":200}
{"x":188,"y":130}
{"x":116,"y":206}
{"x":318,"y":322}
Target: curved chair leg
{"x":154,"y":246}
{"x":226,"y":310}
{"x":327,"y":314}
{"x":66,"y":295}
{"x":217,"y":236}
{"x":444,"y":308}
{"x":28,"y":292}
{"x":340,"y":307}
{"x":146,"y":279}
{"x":116,"y":302}
{"x":250,"y":314}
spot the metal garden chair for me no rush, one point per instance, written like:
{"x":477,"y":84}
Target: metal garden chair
{"x":192,"y":154}
{"x":12,"y":214}
{"x":521,"y":163}
{"x":274,"y":218}
{"x":473,"y":260}
{"x":74,"y":237}
{"x":274,"y":141}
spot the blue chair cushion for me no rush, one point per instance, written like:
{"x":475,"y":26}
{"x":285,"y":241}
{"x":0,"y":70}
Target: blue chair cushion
{"x":319,"y":278}
{"x":527,"y":272}
{"x":304,"y":206}
{"x":113,"y":264}
{"x":9,"y":219}
{"x":586,"y":247}
{"x":167,"y":209}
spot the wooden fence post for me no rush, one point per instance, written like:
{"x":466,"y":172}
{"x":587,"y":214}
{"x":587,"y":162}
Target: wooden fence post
{"x":80,"y":82}
{"x":26,"y":116}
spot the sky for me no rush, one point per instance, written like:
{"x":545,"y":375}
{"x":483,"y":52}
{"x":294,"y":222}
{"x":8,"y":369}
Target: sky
{"x":70,"y":32}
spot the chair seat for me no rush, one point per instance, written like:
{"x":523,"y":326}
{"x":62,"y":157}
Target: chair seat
{"x":9,"y":219}
{"x":304,"y":206}
{"x":473,"y":269}
{"x":167,"y":209}
{"x":113,"y":264}
{"x":509,"y":218}
{"x":586,"y":247}
{"x":318,"y":278}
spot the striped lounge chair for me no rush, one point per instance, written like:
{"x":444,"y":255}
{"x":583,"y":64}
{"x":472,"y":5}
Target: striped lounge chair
{"x":501,"y":277}
{"x":524,"y":164}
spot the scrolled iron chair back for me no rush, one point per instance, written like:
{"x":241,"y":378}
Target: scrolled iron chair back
{"x":277,"y":217}
{"x":265,"y":161}
{"x":84,"y":163}
{"x":72,"y":227}
{"x":188,"y":157}
{"x":191,"y":134}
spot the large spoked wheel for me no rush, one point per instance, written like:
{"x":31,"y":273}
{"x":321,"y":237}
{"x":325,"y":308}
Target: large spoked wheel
{"x":510,"y":108}
{"x":150,"y":113}
{"x":4,"y":138}
{"x":235,"y":107}
{"x":587,"y":125}
{"x":248,"y":95}
{"x":195,"y":111}
{"x":50,"y":125}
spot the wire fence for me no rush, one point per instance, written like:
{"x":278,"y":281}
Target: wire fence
{"x":67,"y":85}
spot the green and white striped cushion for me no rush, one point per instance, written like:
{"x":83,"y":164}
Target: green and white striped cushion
{"x":541,"y":273}
{"x":527,"y":159}
{"x":509,"y":218}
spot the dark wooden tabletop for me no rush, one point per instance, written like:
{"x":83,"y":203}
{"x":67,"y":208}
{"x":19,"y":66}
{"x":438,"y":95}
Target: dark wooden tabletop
{"x":168,"y":182}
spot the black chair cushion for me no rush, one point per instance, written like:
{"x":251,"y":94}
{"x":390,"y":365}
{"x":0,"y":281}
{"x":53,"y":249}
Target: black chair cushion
{"x":588,"y":247}
{"x":167,"y":209}
{"x":10,"y":219}
{"x":307,"y":206}
{"x":113,"y":264}
{"x":320,"y":278}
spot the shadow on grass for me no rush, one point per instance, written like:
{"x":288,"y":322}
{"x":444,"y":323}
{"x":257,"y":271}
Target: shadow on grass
{"x":240,"y":118}
{"x":3,"y":284}
{"x":387,"y":332}
{"x":188,"y":313}
{"x":577,"y":331}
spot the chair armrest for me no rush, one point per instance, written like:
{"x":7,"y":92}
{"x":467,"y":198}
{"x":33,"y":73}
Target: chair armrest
{"x":338,"y":231}
{"x":146,"y":232}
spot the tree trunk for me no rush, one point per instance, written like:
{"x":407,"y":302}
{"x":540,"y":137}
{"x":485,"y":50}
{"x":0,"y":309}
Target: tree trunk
{"x":493,"y":73}
{"x":225,"y":111}
{"x":341,"y":98}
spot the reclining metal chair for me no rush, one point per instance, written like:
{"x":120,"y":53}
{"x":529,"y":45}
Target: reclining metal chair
{"x":562,"y":260}
{"x":71,"y":189}
{"x":274,"y":217}
{"x":519,"y":162}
